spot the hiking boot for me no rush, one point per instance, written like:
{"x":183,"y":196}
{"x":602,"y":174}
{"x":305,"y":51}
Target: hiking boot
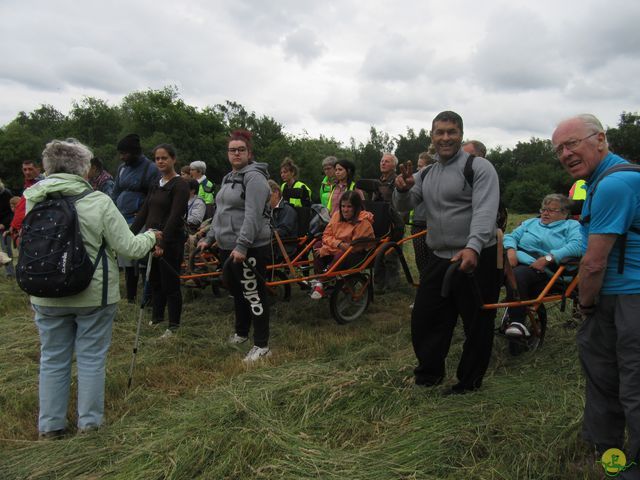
{"x":318,"y":292}
{"x":168,"y":333}
{"x":154,"y":323}
{"x":257,"y":353}
{"x":516,"y":329}
{"x":236,"y":339}
{"x":52,"y":435}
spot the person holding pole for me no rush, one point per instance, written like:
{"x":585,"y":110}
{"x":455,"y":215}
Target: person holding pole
{"x":80,"y":322}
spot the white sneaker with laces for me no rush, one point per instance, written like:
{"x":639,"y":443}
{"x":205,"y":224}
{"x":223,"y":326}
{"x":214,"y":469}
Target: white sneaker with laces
{"x":516,"y":329}
{"x":167,"y":334}
{"x":257,"y":353}
{"x":236,"y":339}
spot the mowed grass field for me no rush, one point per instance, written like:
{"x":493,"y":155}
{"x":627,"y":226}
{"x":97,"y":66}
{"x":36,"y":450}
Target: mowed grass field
{"x":332,"y":402}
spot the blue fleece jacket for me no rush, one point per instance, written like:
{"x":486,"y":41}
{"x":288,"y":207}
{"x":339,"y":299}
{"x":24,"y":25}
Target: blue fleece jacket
{"x":533,"y":239}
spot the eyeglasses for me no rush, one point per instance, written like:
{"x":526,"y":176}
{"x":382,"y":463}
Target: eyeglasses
{"x":237,"y":150}
{"x":550,"y":210}
{"x":571,"y":145}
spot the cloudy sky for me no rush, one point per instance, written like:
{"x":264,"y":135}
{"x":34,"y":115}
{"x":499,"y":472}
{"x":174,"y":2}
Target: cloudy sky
{"x":512,"y":69}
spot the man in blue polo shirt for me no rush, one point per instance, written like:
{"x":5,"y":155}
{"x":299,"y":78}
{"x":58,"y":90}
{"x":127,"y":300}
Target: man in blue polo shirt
{"x":609,"y":338}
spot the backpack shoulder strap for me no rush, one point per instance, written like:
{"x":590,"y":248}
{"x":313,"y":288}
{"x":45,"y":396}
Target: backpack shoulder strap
{"x":468,"y":170}
{"x":626,"y":167}
{"x":424,"y":172}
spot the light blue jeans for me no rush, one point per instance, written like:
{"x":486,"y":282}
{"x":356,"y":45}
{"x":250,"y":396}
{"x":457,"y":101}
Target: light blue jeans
{"x":87,"y":330}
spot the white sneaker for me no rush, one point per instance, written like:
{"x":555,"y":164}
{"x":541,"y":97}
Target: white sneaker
{"x":516,"y":329}
{"x":318,"y":292}
{"x":167,"y":334}
{"x":4,"y":258}
{"x":236,"y":339}
{"x":257,"y":353}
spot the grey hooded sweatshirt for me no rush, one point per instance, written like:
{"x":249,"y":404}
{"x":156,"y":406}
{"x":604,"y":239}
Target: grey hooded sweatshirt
{"x":241,"y":220}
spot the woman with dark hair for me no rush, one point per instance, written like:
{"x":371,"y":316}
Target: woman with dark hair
{"x":289,"y":174}
{"x":99,"y":178}
{"x":196,"y":207}
{"x":345,"y":172}
{"x":164,"y":209}
{"x":241,"y":229}
{"x":350,"y":223}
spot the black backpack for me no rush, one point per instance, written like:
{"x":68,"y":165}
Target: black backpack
{"x":53,"y":261}
{"x":502,"y":215}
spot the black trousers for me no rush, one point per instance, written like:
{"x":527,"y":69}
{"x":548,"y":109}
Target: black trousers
{"x":530,"y":283}
{"x":420,"y":248}
{"x":434,"y":317}
{"x":249,"y":293}
{"x":165,"y":284}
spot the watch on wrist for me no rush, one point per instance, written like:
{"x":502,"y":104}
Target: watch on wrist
{"x":548,"y":257}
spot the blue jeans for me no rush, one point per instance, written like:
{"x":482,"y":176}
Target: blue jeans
{"x":63,"y":329}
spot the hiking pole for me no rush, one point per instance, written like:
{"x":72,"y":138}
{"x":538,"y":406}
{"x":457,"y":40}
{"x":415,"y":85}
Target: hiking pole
{"x":137,"y":339}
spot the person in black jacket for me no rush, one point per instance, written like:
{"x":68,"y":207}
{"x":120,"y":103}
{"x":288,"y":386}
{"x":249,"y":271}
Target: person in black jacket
{"x":284,"y":218}
{"x":164,"y":209}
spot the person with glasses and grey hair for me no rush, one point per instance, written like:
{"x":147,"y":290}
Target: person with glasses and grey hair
{"x":535,"y":249}
{"x":609,"y":287}
{"x":206,"y":190}
{"x":329,"y":169}
{"x":80,"y":322}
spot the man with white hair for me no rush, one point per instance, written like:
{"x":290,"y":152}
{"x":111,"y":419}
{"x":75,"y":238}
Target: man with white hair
{"x":206,"y":190}
{"x":609,"y":289}
{"x":386,"y":274}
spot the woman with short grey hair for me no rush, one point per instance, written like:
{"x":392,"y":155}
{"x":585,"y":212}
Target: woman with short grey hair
{"x":536,"y":248}
{"x":80,"y":322}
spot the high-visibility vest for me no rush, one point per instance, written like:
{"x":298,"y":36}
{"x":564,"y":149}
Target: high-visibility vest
{"x":351,"y":186}
{"x":296,"y":202}
{"x":205,"y":191}
{"x":578,"y":190}
{"x":325,"y":191}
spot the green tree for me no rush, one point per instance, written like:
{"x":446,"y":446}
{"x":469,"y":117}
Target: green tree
{"x":625,"y":139}
{"x":410,"y":146}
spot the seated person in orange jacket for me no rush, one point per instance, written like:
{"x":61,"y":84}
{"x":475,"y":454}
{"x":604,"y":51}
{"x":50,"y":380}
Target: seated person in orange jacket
{"x":349,"y":224}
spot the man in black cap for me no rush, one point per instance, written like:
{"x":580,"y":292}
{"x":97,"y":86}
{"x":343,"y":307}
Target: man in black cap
{"x":134,"y":178}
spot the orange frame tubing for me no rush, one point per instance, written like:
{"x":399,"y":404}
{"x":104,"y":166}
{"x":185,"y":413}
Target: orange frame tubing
{"x":543,"y":297}
{"x":298,"y":261}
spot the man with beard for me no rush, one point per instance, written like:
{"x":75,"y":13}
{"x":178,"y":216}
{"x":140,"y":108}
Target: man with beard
{"x":134,"y":178}
{"x":462,"y":228}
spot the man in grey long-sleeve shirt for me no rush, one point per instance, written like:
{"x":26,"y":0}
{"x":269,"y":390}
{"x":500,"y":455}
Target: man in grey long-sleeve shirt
{"x":462,"y":227}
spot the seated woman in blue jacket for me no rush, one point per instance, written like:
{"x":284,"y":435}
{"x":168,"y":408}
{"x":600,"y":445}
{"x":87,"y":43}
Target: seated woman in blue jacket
{"x":537,"y":247}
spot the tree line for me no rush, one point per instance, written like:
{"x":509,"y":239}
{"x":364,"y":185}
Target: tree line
{"x":527,"y":172}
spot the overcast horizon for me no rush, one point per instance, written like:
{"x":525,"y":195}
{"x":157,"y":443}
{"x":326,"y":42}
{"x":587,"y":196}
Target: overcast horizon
{"x":511,"y":69}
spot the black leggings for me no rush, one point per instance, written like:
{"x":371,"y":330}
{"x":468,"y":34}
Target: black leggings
{"x":249,"y":293}
{"x":165,"y":284}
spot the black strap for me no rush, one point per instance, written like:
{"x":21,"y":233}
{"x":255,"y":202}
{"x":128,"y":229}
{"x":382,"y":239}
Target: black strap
{"x":468,"y":170}
{"x":102,"y":254}
{"x":622,"y":242}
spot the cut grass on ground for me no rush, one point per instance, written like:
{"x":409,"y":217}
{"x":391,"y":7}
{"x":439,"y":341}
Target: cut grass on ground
{"x":333,"y":402}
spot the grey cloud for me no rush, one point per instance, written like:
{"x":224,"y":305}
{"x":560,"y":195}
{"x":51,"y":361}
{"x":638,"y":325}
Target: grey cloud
{"x":518,"y":53}
{"x":395,"y":59}
{"x":302,"y":45}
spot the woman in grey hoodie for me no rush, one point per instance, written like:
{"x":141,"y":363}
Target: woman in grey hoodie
{"x":241,"y":229}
